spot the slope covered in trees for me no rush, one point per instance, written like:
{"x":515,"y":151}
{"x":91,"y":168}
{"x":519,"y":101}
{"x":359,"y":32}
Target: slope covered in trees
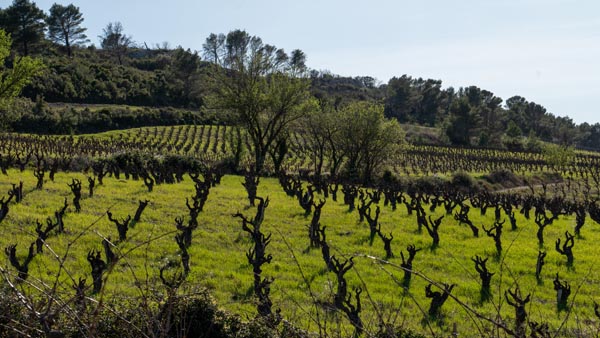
{"x":121,"y":71}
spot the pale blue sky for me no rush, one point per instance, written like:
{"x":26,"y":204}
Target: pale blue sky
{"x":547,"y":51}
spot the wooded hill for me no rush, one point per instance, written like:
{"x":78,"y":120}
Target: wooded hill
{"x":172,"y":84}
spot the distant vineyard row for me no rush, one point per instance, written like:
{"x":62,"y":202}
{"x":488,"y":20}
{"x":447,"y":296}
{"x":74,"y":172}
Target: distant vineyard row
{"x":214,"y":143}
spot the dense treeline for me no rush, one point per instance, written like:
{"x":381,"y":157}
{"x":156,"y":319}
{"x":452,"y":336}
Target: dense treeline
{"x":121,"y":72}
{"x":469,"y":116}
{"x":155,"y":78}
{"x":474,"y":116}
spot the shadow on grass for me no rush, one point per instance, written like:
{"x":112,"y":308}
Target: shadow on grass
{"x":240,"y":296}
{"x":484,"y":295}
{"x":438,"y":320}
{"x":321,"y":272}
{"x":241,"y":238}
{"x":406,"y":285}
{"x":570,"y":267}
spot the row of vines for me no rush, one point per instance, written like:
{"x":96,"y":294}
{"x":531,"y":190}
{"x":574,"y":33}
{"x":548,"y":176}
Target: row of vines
{"x":218,"y":143}
{"x":404,"y":229}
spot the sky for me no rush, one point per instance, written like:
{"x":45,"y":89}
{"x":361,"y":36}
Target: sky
{"x":547,"y":51}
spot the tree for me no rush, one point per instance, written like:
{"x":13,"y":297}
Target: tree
{"x":320,"y":128}
{"x":512,"y":130}
{"x":400,"y":98}
{"x":366,"y":138}
{"x":535,"y":114}
{"x":12,"y":80}
{"x":64,"y":26}
{"x":528,"y":115}
{"x":463,"y":122}
{"x":489,"y":110}
{"x":213,"y":48}
{"x":589,"y":136}
{"x":415,"y":100}
{"x":428,"y":101}
{"x":183,"y":76}
{"x":25,"y":22}
{"x":115,"y":41}
{"x":265,"y":91}
{"x":561,"y":129}
{"x":236,"y":47}
{"x":557,"y":155}
{"x":298,"y":61}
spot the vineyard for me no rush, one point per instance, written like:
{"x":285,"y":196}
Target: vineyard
{"x":214,"y":143}
{"x":476,"y":242}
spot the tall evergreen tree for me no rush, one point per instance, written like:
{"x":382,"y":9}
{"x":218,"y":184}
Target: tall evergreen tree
{"x":400,"y":99}
{"x":213,"y":48}
{"x":463,"y":122}
{"x":24,"y":21}
{"x":64,"y":26}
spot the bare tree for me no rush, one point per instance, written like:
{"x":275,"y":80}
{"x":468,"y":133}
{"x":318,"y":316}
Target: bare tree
{"x":539,"y":264}
{"x":495,"y":232}
{"x":567,"y":247}
{"x":115,"y":41}
{"x":98,"y":267}
{"x":484,"y":274}
{"x":437,"y":298}
{"x":407,"y":264}
{"x":262,"y":88}
{"x":563,"y":290}
{"x":122,"y":225}
{"x":518,"y":302}
{"x":22,"y":268}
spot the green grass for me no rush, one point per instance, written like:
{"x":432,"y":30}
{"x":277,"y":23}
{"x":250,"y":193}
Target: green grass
{"x":218,"y":260}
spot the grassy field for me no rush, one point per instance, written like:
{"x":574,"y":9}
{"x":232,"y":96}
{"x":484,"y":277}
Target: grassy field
{"x":218,"y":260}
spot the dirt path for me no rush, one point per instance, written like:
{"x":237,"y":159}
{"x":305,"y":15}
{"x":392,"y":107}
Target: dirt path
{"x":526,"y":187}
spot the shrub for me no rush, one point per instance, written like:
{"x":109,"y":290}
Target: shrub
{"x":429,"y":184}
{"x":462,"y":181}
{"x":193,"y":314}
{"x":502,"y":177}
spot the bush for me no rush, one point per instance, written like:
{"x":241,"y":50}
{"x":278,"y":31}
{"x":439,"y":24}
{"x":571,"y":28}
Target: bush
{"x":194,"y":314}
{"x":389,"y":179}
{"x":428,"y":184}
{"x":503,"y":177}
{"x":462,"y":181}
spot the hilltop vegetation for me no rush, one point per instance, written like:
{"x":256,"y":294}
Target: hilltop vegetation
{"x":122,"y":72}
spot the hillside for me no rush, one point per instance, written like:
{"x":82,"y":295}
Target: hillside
{"x":179,"y":79}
